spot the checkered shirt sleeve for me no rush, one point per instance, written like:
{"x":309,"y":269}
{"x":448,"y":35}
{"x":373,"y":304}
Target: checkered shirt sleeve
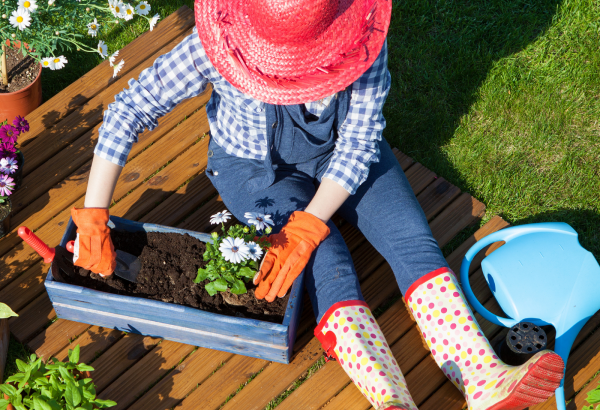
{"x":357,"y":144}
{"x":182,"y":73}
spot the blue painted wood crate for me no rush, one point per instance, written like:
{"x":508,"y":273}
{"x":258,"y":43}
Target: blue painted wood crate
{"x":247,"y":337}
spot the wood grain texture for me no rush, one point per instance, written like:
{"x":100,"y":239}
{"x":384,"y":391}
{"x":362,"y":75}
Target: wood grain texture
{"x":32,"y":318}
{"x":4,"y":339}
{"x":56,"y":337}
{"x":419,"y":177}
{"x":95,"y":341}
{"x":464,"y":211}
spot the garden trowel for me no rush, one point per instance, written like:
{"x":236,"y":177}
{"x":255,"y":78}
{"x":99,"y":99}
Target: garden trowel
{"x":128,"y":266}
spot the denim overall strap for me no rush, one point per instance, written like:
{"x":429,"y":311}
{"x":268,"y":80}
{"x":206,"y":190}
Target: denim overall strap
{"x":294,"y":137}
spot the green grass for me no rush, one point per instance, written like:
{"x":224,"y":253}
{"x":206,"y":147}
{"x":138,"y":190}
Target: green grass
{"x":501,"y":98}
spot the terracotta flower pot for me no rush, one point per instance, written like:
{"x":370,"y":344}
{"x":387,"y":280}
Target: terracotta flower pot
{"x":21,"y":102}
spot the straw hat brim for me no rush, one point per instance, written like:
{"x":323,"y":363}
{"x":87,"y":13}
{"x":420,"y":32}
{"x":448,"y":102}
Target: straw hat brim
{"x":295,"y":73}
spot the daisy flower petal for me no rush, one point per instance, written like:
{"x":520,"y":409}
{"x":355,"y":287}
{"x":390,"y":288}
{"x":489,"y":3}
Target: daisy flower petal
{"x":153,"y":21}
{"x":220,"y":217}
{"x":143,"y":8}
{"x":59,"y":62}
{"x":254,"y":251}
{"x":113,"y":57}
{"x":234,"y":250}
{"x":102,"y":49}
{"x":6,"y":185}
{"x":29,"y":5}
{"x":128,"y":12}
{"x":93,"y":28}
{"x":20,"y":19}
{"x":48,"y":62}
{"x":261,"y":221}
{"x":118,"y":68}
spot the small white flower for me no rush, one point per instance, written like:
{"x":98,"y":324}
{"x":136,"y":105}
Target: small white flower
{"x":118,"y":9}
{"x":51,"y":2}
{"x":48,"y":62}
{"x":143,"y":8}
{"x":234,"y":250}
{"x":128,"y":12}
{"x":29,"y":5}
{"x":117,"y":68}
{"x":102,"y":49}
{"x":261,"y":221}
{"x":59,"y":62}
{"x":112,"y":58}
{"x":220,"y":217}
{"x":20,"y":18}
{"x":153,"y":21}
{"x":254,"y":251}
{"x":93,"y":28}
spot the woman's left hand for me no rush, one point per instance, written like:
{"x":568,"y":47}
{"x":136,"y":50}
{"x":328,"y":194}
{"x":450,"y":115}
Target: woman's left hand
{"x":289,"y":253}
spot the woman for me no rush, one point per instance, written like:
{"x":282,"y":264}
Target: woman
{"x":296,"y":122}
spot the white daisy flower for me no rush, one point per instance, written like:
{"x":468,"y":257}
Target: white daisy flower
{"x":261,"y":221}
{"x":143,"y":8}
{"x":118,"y":10}
{"x":254,"y":251}
{"x":59,"y":62}
{"x":234,"y":250}
{"x":112,"y":58}
{"x":29,"y":5}
{"x":48,"y":62}
{"x":128,"y":12}
{"x":118,"y":68}
{"x":51,"y":2}
{"x":20,"y":18}
{"x":220,"y":217}
{"x":102,"y":49}
{"x":93,"y":28}
{"x":153,"y":21}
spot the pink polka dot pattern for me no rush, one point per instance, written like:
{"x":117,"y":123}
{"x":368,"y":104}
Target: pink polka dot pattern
{"x":458,"y":345}
{"x":364,"y":354}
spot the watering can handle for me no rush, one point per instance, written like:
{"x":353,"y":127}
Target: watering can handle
{"x":505,"y":235}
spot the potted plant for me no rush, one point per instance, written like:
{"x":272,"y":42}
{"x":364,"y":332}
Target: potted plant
{"x":52,"y":386}
{"x":208,"y":301}
{"x":5,"y":313}
{"x":33,"y":31}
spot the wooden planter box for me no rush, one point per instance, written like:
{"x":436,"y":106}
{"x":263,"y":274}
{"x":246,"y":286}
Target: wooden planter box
{"x":247,"y":337}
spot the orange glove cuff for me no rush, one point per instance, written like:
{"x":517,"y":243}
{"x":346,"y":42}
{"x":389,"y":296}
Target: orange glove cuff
{"x":91,"y":221}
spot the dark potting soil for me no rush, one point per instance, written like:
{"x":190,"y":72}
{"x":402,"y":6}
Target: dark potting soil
{"x":22,"y":71}
{"x":170,"y":263}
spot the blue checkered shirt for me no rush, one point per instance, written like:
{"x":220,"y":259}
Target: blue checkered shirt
{"x":238,"y":121}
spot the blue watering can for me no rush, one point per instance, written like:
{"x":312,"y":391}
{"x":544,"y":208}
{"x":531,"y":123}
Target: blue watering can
{"x":541,"y":275}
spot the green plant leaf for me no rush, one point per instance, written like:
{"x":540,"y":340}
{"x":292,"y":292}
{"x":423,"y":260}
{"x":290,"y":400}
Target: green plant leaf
{"x":202,"y":275}
{"x":74,"y":355}
{"x":8,"y":389}
{"x":238,"y":287}
{"x":105,"y":403}
{"x":210,"y":288}
{"x":72,"y":394}
{"x":40,"y":404}
{"x":593,"y":396}
{"x":6,"y":311}
{"x":82,"y":367}
{"x":65,"y":374}
{"x":220,"y":285}
{"x":22,"y":365}
{"x":247,"y":272}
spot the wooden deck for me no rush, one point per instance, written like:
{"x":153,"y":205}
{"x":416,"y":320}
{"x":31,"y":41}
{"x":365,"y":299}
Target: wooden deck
{"x":164,"y":183}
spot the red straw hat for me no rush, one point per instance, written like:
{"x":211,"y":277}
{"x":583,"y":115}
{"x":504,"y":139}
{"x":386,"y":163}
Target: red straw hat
{"x":292,"y":51}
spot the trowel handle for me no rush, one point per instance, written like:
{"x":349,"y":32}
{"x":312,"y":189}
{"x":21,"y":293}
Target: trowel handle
{"x":37,"y":244}
{"x":71,"y":246}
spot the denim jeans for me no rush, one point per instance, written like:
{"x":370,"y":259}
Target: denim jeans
{"x":384,"y":209}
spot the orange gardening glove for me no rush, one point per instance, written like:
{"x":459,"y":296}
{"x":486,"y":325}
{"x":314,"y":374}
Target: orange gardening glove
{"x":288,"y":255}
{"x":94,"y":249}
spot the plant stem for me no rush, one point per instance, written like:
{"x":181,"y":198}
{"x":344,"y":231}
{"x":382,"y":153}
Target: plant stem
{"x":4,"y":66}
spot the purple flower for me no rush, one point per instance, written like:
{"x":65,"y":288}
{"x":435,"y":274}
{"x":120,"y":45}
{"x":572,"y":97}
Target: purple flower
{"x":21,"y":124}
{"x":9,"y":134}
{"x":6,"y":185}
{"x":8,"y":150}
{"x":8,"y":165}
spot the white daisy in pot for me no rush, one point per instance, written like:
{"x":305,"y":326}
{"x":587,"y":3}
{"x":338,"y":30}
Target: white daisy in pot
{"x":59,"y":62}
{"x":220,"y":217}
{"x":102,"y":49}
{"x":234,"y":250}
{"x":143,"y":8}
{"x":254,"y":251}
{"x":128,"y":12}
{"x":20,"y":19}
{"x":261,"y":221}
{"x":153,"y":21}
{"x":29,"y":5}
{"x":93,"y":28}
{"x":48,"y":62}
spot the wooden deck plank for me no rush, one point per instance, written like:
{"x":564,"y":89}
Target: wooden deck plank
{"x":56,"y":337}
{"x":32,"y":318}
{"x":580,"y":400}
{"x":420,"y":177}
{"x":404,"y":160}
{"x":30,"y":285}
{"x":348,"y":399}
{"x":214,"y":391}
{"x":85,"y":117}
{"x":120,"y":357}
{"x":435,"y":197}
{"x":96,"y":80}
{"x":129,"y":386}
{"x":4,"y":340}
{"x":176,"y":385}
{"x":95,"y":341}
{"x":464,"y":211}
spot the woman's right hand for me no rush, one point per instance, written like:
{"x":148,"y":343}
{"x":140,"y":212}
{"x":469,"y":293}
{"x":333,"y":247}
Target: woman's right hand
{"x":94,"y":249}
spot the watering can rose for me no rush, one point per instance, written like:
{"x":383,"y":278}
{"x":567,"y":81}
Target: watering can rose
{"x":233,"y":256}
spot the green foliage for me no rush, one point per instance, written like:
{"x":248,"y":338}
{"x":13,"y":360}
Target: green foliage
{"x":223,"y":274}
{"x":593,"y":396}
{"x":53,"y":386}
{"x":61,"y":26}
{"x":6,"y":312}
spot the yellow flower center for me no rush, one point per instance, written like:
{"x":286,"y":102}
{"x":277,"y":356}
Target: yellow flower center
{"x":128,"y":11}
{"x":19,"y":19}
{"x":117,"y":9}
{"x":27,"y":4}
{"x":93,"y":27}
{"x":142,"y":6}
{"x":56,"y":60}
{"x":46,"y":63}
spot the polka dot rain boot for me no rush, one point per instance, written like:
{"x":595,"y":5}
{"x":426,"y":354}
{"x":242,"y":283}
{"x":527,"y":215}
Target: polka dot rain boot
{"x":349,"y":334}
{"x":465,"y":355}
